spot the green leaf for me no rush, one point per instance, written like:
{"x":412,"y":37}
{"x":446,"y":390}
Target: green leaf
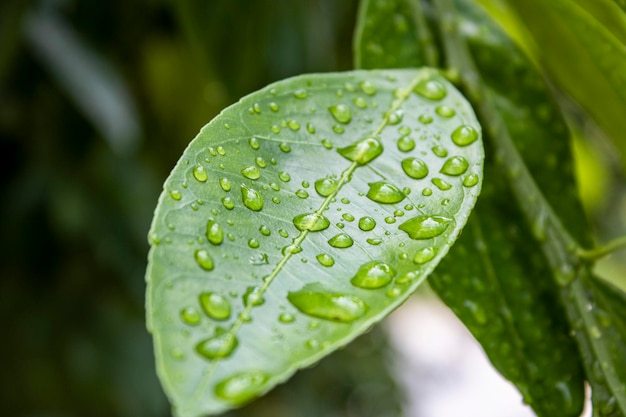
{"x":298,"y":218}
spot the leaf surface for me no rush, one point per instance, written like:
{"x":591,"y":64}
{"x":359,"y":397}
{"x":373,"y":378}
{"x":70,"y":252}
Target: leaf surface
{"x":299,"y":217}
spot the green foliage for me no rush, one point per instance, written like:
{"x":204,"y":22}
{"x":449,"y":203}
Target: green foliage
{"x":298,"y":218}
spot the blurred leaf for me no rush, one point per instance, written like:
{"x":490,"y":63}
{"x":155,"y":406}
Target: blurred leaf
{"x":308,"y":242}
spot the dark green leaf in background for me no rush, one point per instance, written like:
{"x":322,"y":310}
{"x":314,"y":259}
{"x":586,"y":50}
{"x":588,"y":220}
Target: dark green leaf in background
{"x":298,"y":218}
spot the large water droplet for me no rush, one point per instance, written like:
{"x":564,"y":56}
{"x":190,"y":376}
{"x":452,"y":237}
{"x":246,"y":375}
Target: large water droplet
{"x":456,"y":165}
{"x":326,"y":305}
{"x":424,"y":255}
{"x":341,"y":113}
{"x":200,"y":174}
{"x":190,"y":316}
{"x":464,"y":135}
{"x":251,"y":172}
{"x":241,"y":387}
{"x":384,"y":192}
{"x":285,"y":147}
{"x":441,"y":184}
{"x":204,"y":259}
{"x":415,"y":168}
{"x":470,"y":180}
{"x":431,"y":89}
{"x":312,"y":222}
{"x":325,"y":259}
{"x":176,"y":195}
{"x":406,"y":144}
{"x":215,"y":306}
{"x":293,"y":125}
{"x":425,"y":227}
{"x":373,"y":275}
{"x":228,"y":203}
{"x":219,"y":346}
{"x":253,"y":296}
{"x":341,"y":241}
{"x":251,"y":198}
{"x":367,"y":223}
{"x":326,"y":186}
{"x":362,"y":151}
{"x":225,"y":184}
{"x":214,"y":232}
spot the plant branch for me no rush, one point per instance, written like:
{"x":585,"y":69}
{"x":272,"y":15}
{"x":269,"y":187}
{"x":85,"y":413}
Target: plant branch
{"x":591,"y":255}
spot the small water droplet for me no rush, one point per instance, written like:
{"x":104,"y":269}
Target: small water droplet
{"x":286,"y":318}
{"x":384,"y":192}
{"x":415,"y":168}
{"x":359,"y":102}
{"x":427,"y":192}
{"x":445,"y":111}
{"x":464,"y":135}
{"x":253,"y":296}
{"x":293,"y":125}
{"x":341,"y":241}
{"x":317,"y":302}
{"x":302,"y":193}
{"x":390,"y":220}
{"x":200,"y":174}
{"x":260,"y":162}
{"x":456,"y":165}
{"x":251,"y":172}
{"x":348,"y":217}
{"x":274,"y":107}
{"x":327,"y":144}
{"x":326,"y":186}
{"x":425,"y":227}
{"x":215,"y":306}
{"x":440,"y":151}
{"x":345,"y":200}
{"x":285,"y":147}
{"x":219,"y":346}
{"x":190,"y":316}
{"x":284,"y":176}
{"x":275,"y":128}
{"x":373,"y":275}
{"x":214,"y":232}
{"x":406,"y":144}
{"x":251,"y":198}
{"x":367,"y":223}
{"x":291,"y":249}
{"x":431,"y":89}
{"x":204,"y":259}
{"x":368,"y":88}
{"x":395,"y":117}
{"x":338,"y":129}
{"x":425,"y":119}
{"x":254,"y":143}
{"x":470,"y":180}
{"x":300,"y":93}
{"x":241,"y":388}
{"x":253,"y":243}
{"x":325,"y":259}
{"x":424,"y":255}
{"x":283,"y":233}
{"x":265,"y":231}
{"x":225,"y":184}
{"x":176,"y":195}
{"x":441,"y":184}
{"x":228,"y":202}
{"x":312,"y":222}
{"x":221,"y":150}
{"x":341,"y":113}
{"x":374,"y":241}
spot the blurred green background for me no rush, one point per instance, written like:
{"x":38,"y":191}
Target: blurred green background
{"x":97,"y":101}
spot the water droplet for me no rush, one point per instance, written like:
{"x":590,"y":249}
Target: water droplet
{"x":326,"y":186}
{"x":253,"y":243}
{"x":292,"y":249}
{"x":254,"y":143}
{"x":286,"y":318}
{"x":345,"y":200}
{"x":200,"y":174}
{"x":251,"y":172}
{"x":470,"y":180}
{"x":390,"y":220}
{"x":274,"y":107}
{"x":275,"y":129}
{"x":445,"y":111}
{"x":327,"y":144}
{"x":424,"y":255}
{"x":415,"y":168}
{"x":225,"y":184}
{"x":190,"y":316}
{"x":284,"y":176}
{"x":302,"y":193}
{"x":300,"y":93}
{"x":367,"y":223}
{"x":456,"y":165}
{"x":251,"y":198}
{"x":368,"y":88}
{"x":204,"y":259}
{"x":241,"y":388}
{"x":406,"y":144}
{"x":293,"y":125}
{"x":425,"y":119}
{"x":283,"y":233}
{"x":341,"y":113}
{"x":214,"y":232}
{"x":427,"y":192}
{"x":440,"y":151}
{"x":341,"y":240}
{"x":285,"y":147}
{"x":404,"y":130}
{"x":219,"y":346}
{"x":348,"y":217}
{"x":322,"y":304}
{"x":221,"y":150}
{"x":338,"y":129}
{"x":260,"y":162}
{"x":176,"y":195}
{"x":228,"y":203}
{"x":441,"y":184}
{"x":374,"y":241}
{"x":312,"y":222}
{"x":384,"y":192}
{"x":425,"y":227}
{"x":325,"y":259}
{"x":395,"y":117}
{"x":431,"y":89}
{"x":215,"y":306}
{"x":253,"y":296}
{"x":359,"y":102}
{"x":464,"y":135}
{"x":265,"y":231}
{"x":373,"y":275}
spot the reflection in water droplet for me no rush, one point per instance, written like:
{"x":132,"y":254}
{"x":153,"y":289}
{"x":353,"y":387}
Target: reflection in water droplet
{"x":225,"y":184}
{"x":265,"y":231}
{"x":406,"y":144}
{"x":200,"y":174}
{"x":373,"y":275}
{"x":456,"y":165}
{"x":312,"y":222}
{"x":176,"y":195}
{"x":425,"y":227}
{"x":367,"y":223}
{"x":415,"y":168}
{"x":190,"y":316}
{"x":228,"y":203}
{"x":441,"y":184}
{"x":470,"y":180}
{"x":431,"y":89}
{"x":219,"y":346}
{"x":341,"y":240}
{"x":284,"y":176}
{"x":384,"y":192}
{"x":241,"y":388}
{"x":253,"y":243}
{"x":302,"y":193}
{"x":327,"y":305}
{"x":251,"y":198}
{"x":424,"y":255}
{"x":341,"y":113}
{"x":251,"y":172}
{"x":326,"y":186}
{"x":215,"y":306}
{"x":254,"y":143}
{"x":253,"y":296}
{"x":464,"y":135}
{"x":325,"y":259}
{"x":214,"y":232}
{"x":362,"y":151}
{"x":204,"y":259}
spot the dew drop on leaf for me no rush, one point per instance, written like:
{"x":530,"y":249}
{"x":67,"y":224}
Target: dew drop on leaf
{"x":440,"y":151}
{"x":359,"y":102}
{"x":425,"y":227}
{"x":374,"y":241}
{"x":302,"y":193}
{"x":347,"y":217}
{"x":253,"y":243}
{"x":190,"y":316}
{"x":214,"y":305}
{"x":425,"y":119}
{"x":326,"y":186}
{"x":431,"y":89}
{"x":265,"y":231}
{"x":367,"y":223}
{"x":456,"y":165}
{"x":338,"y":129}
{"x":214,"y":232}
{"x":368,"y":88}
{"x":286,"y":318}
{"x":312,"y":222}
{"x":362,"y":151}
{"x":427,"y":192}
{"x":254,"y":143}
{"x":176,"y":195}
{"x":384,"y":192}
{"x":300,"y":93}
{"x":341,"y":241}
{"x":274,"y":107}
{"x":284,"y":176}
{"x":414,"y":168}
{"x":327,"y":144}
{"x":373,"y":275}
{"x":204,"y":259}
{"x":424,"y":255}
{"x":251,"y":198}
{"x":228,"y":202}
{"x":225,"y":184}
{"x":464,"y":135}
{"x":253,"y":297}
{"x":341,"y":113}
{"x":470,"y":180}
{"x":219,"y":346}
{"x":328,"y":306}
{"x":200,"y":174}
{"x":445,"y":111}
{"x":406,"y":144}
{"x":241,"y":388}
{"x":441,"y":184}
{"x":325,"y":259}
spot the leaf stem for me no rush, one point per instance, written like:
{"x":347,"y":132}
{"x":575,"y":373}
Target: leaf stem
{"x":591,"y":255}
